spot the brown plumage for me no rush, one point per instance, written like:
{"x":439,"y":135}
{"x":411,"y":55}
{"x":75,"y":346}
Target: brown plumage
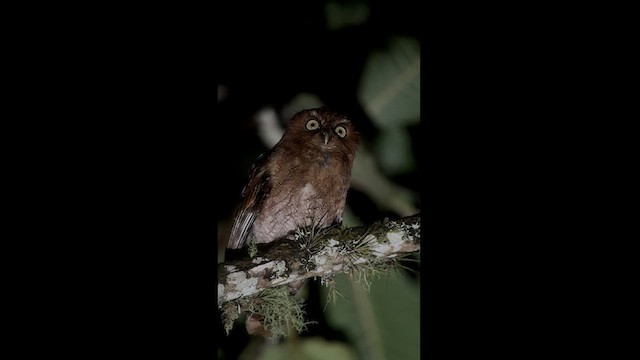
{"x":303,"y":180}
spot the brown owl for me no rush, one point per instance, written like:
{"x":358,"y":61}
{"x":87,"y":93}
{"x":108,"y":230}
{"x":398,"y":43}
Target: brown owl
{"x":302,"y":181}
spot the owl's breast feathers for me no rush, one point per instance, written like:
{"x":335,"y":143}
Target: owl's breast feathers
{"x":287,"y":190}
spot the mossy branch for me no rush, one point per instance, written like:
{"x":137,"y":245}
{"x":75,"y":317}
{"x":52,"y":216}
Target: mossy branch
{"x":317,"y":254}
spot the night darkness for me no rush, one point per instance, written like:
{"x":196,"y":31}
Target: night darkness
{"x":140,"y":127}
{"x":277,"y":51}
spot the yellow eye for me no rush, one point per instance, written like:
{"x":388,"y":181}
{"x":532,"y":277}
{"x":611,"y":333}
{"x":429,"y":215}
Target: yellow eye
{"x":341,"y":131}
{"x":312,"y":124}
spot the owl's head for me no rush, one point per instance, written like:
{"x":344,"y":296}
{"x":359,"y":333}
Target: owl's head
{"x":323,"y":129}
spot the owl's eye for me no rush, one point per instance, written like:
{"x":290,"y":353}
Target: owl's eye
{"x":312,"y":124}
{"x":341,"y":131}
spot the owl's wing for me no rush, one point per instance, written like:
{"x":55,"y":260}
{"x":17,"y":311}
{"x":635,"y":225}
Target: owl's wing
{"x":253,"y":196}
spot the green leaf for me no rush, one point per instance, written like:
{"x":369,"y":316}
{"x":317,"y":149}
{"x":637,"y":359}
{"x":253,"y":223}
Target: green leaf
{"x":309,"y":349}
{"x":384,"y":324}
{"x":341,"y":14}
{"x":393,"y":150}
{"x":390,"y":84}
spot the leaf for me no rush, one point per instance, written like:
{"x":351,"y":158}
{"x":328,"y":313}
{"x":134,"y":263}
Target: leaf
{"x":390,"y":84}
{"x":384,"y":324}
{"x":393,"y":150}
{"x":309,"y":349}
{"x":344,"y":14}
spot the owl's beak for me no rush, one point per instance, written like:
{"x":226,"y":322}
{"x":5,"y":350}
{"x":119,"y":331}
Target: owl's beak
{"x":326,"y":137}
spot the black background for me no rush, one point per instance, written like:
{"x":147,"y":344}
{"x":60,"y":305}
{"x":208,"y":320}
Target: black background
{"x":120,"y":196}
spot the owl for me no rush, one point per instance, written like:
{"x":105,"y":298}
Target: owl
{"x":302,"y":181}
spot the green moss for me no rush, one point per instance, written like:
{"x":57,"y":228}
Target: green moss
{"x":332,"y":291}
{"x":279,"y":310}
{"x":253,"y":249}
{"x":230,"y":312}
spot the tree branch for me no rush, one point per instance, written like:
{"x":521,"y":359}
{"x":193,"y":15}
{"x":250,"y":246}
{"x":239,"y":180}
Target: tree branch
{"x":317,"y":254}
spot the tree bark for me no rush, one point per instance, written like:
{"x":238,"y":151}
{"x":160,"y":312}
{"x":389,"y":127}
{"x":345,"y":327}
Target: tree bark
{"x":325,"y":254}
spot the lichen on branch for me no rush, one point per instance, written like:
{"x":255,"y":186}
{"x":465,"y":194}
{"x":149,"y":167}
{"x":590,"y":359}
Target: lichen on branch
{"x":317,"y":253}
